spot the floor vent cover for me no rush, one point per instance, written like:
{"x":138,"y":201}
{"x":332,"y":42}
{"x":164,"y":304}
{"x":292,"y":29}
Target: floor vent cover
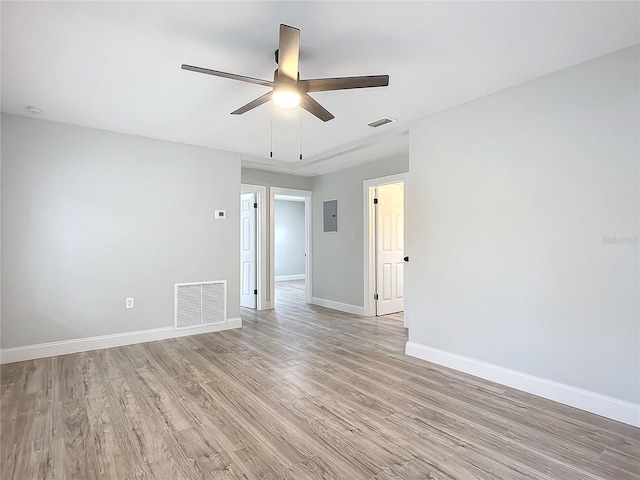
{"x":197,"y":304}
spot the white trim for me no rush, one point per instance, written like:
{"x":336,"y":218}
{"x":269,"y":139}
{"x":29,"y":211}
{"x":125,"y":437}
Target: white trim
{"x":603,"y":405}
{"x":369,"y":241}
{"x":306,"y":194}
{"x":284,"y":278}
{"x":343,"y":307}
{"x":261,"y":241}
{"x":289,"y":198}
{"x":64,"y":347}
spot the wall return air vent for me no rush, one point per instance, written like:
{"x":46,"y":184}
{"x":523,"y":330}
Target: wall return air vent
{"x":199,"y":304}
{"x":381,"y":122}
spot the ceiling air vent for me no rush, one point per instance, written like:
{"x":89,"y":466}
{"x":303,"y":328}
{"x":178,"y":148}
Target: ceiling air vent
{"x":381,"y":122}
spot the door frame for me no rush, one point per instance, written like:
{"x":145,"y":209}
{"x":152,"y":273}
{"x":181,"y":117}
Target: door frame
{"x":306,"y":194}
{"x":369,"y":237}
{"x":261,"y":245}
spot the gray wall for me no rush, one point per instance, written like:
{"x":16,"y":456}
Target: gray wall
{"x":272,"y":179}
{"x":90,"y":217}
{"x":289,"y":238}
{"x":511,"y":201}
{"x":338,"y":268}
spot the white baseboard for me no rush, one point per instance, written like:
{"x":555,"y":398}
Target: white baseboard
{"x":343,"y":307}
{"x":603,"y":405}
{"x":284,"y":278}
{"x":52,"y":349}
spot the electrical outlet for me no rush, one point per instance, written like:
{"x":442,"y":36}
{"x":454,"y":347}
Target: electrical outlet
{"x":129,"y":302}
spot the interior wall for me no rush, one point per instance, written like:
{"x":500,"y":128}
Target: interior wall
{"x":289,"y":238}
{"x":91,"y":217}
{"x":273,"y":179}
{"x":338,"y":258}
{"x":523,"y":227}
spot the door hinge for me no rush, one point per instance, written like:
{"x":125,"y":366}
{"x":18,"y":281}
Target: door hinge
{"x":375,"y":296}
{"x":375,"y":201}
{"x":255,"y":292}
{"x":255,"y":205}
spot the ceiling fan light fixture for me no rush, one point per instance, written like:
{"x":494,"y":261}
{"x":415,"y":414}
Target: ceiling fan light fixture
{"x":288,"y":91}
{"x":286,"y":98}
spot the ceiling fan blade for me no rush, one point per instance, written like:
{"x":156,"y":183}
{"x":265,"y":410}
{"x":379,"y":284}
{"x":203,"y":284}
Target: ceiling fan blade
{"x":288,"y":52}
{"x":314,"y":108}
{"x":232,"y":76}
{"x":253,"y":104}
{"x":343,"y":83}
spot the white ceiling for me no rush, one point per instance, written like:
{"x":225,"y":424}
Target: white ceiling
{"x":116,"y":66}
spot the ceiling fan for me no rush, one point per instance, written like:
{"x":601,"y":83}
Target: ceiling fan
{"x":288,"y":90}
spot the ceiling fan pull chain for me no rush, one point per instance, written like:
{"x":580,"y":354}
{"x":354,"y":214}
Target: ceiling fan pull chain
{"x":300,"y":116}
{"x":271,"y":132}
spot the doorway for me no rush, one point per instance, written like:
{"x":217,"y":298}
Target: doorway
{"x":252,"y":247}
{"x":384,"y":245}
{"x":290,"y":245}
{"x":248,"y":251}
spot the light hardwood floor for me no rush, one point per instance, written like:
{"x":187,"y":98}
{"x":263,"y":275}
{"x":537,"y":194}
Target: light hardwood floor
{"x":300,"y":392}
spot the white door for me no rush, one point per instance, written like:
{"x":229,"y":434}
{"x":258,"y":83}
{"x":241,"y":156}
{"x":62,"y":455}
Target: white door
{"x":390,"y":248}
{"x":248,"y":292}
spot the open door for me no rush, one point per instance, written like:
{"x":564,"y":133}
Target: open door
{"x":389,"y":241}
{"x":248,"y":258}
{"x":277,"y":193}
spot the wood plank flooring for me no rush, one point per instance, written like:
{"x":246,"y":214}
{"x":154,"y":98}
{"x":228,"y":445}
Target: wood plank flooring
{"x":298,"y":393}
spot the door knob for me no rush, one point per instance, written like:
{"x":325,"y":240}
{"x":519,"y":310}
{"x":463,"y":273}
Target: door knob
{"x":406,"y":259}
